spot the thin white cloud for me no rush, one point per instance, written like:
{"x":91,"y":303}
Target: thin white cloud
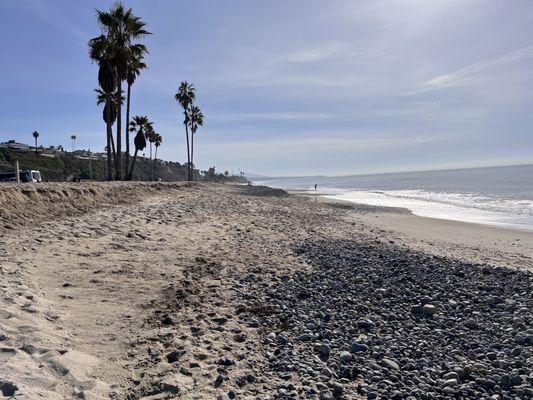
{"x":474,"y":73}
{"x":317,"y":53}
{"x":325,"y":142}
{"x":53,"y":17}
{"x":271,"y":116}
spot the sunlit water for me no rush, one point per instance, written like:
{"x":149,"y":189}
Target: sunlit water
{"x":500,"y":196}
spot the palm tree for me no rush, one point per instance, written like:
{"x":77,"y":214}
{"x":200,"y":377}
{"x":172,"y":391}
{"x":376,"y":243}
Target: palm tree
{"x":35,"y":136}
{"x":158,"y":139}
{"x":139,"y":124}
{"x":185,"y":96}
{"x":102,"y":98}
{"x":73,"y":138}
{"x":150,"y":136}
{"x":121,"y":28}
{"x":196,"y":119}
{"x":135,"y":66}
{"x":157,"y":142}
{"x":101,"y":51}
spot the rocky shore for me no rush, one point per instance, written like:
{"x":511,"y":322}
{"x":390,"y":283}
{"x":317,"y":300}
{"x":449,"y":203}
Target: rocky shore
{"x":383,"y":322}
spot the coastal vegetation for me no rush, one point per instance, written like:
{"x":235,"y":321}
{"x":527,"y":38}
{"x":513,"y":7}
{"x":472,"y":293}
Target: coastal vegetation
{"x":68,"y":167}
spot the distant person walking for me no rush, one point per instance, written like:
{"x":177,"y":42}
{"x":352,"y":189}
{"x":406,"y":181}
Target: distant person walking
{"x":316,"y":186}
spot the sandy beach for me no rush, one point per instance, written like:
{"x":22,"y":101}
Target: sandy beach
{"x":211,"y":291}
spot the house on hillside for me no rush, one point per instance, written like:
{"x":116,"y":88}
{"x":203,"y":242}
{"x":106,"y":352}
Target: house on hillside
{"x":11,"y":144}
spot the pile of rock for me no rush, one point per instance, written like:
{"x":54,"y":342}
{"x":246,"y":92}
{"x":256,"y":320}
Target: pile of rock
{"x":385,"y":322}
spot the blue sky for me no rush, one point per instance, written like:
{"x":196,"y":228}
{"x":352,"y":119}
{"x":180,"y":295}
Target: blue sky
{"x":295,"y":87}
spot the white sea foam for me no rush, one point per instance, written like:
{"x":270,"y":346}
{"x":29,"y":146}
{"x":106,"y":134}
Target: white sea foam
{"x":501,"y":196}
{"x":467,"y":207}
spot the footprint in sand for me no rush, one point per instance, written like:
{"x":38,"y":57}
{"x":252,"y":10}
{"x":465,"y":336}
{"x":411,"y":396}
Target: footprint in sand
{"x":6,"y":353}
{"x":71,"y":365}
{"x":4,"y":314}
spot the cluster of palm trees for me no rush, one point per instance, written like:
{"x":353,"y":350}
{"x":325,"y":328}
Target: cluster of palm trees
{"x":192,"y":119}
{"x":143,"y":130}
{"x":120,"y":58}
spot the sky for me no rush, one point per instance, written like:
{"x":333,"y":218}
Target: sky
{"x":290,"y":87}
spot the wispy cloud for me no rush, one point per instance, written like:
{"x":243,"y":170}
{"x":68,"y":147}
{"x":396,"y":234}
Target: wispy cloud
{"x":53,"y":17}
{"x":316,"y":54}
{"x":271,"y":116}
{"x":473,"y":74}
{"x":327,"y":141}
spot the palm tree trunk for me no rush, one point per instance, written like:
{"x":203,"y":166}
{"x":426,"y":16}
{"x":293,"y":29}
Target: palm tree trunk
{"x":113,"y":146}
{"x":130,"y":176}
{"x":192,"y":155}
{"x":155,"y":162}
{"x":36,"y":145}
{"x":109,"y":160}
{"x":188,"y":151}
{"x":109,"y":141}
{"x":118,"y":160}
{"x":127,"y":132}
{"x":151,"y":163}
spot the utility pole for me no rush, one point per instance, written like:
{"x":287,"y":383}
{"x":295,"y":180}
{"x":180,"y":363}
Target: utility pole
{"x":17,"y":171}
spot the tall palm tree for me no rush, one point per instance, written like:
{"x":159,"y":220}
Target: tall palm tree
{"x":150,"y":136}
{"x":108,"y":115}
{"x":158,"y":139}
{"x":185,"y":97}
{"x":73,"y":138}
{"x":157,"y":142}
{"x":138,"y":125}
{"x":35,"y":136}
{"x":135,"y":66}
{"x":122,"y":29}
{"x":196,"y":119}
{"x":101,"y":51}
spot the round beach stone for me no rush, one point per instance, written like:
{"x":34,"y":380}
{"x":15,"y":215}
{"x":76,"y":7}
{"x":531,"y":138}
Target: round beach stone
{"x":391,"y":364}
{"x":326,"y":395}
{"x":346,"y":356}
{"x":359,"y":347}
{"x":365,"y":323}
{"x":324,"y":350}
{"x":429,"y":309}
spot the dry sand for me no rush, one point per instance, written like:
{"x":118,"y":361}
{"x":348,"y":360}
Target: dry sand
{"x":132,"y":290}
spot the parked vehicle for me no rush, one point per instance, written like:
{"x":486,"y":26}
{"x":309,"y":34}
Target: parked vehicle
{"x":25,"y":176}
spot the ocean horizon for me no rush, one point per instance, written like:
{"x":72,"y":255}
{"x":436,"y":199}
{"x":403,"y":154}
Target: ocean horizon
{"x":498,"y":196}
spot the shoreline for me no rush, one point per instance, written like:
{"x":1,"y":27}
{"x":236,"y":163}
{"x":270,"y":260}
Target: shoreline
{"x":476,"y":242}
{"x":404,"y":210}
{"x":150,"y":291}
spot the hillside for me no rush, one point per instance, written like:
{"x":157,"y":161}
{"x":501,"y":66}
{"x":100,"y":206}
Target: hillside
{"x":68,"y":168}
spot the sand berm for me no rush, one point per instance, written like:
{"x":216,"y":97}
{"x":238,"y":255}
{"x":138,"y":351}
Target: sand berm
{"x":209,"y":291}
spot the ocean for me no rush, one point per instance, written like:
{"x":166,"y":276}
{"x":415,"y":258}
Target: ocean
{"x":499,"y":196}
